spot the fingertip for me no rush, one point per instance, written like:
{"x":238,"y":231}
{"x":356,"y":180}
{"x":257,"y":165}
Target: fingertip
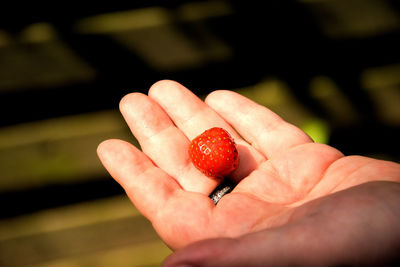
{"x":216,"y":96}
{"x":111,"y":148}
{"x":162,"y":86}
{"x":103,"y":147}
{"x":129,"y":99}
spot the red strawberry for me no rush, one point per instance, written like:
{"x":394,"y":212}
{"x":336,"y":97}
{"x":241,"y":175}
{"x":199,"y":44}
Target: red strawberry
{"x":214,"y":153}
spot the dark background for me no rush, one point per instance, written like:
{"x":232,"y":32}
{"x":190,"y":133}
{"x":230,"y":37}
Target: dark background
{"x":64,"y":67}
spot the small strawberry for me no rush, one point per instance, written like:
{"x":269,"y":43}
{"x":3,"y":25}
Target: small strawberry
{"x":214,"y":153}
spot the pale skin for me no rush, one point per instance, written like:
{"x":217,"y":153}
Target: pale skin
{"x":281,"y":170}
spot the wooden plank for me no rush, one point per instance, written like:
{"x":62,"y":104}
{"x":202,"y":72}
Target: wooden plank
{"x":56,"y":151}
{"x":70,"y":216}
{"x":80,"y":233}
{"x":147,"y":254}
{"x":76,"y":241}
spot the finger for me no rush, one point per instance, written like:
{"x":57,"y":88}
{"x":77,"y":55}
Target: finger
{"x":165,"y":144}
{"x":147,"y":186}
{"x":193,"y":116}
{"x":258,"y":125}
{"x":188,"y":111}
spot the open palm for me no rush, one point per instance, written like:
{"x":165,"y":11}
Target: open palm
{"x":280,"y":167}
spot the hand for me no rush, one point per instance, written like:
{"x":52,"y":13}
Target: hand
{"x":280,"y":167}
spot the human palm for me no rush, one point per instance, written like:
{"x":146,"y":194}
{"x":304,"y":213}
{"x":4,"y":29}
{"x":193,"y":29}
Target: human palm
{"x":280,"y":167}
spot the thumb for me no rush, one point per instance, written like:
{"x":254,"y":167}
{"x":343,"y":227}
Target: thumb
{"x":256,"y":249}
{"x":357,"y":226}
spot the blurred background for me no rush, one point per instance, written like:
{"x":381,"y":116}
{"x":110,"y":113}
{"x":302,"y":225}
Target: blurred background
{"x":330,"y":67}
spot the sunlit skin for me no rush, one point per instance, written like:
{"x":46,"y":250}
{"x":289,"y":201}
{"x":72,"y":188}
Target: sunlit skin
{"x":280,"y":168}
